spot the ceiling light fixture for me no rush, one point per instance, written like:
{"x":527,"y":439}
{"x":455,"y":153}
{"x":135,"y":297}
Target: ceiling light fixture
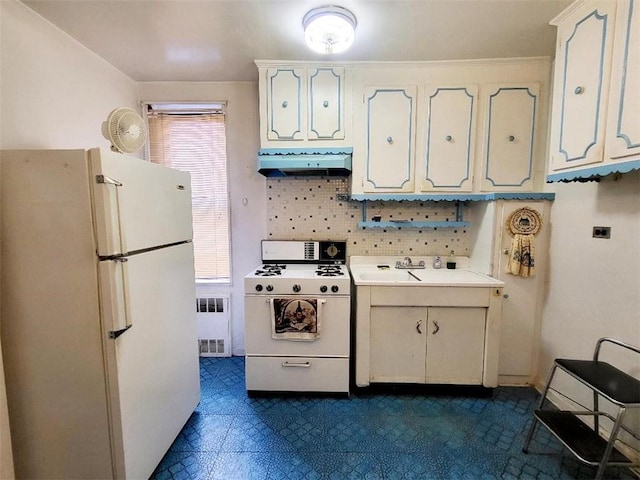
{"x":329,"y":29}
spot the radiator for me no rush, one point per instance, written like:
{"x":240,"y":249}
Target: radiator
{"x":214,"y":326}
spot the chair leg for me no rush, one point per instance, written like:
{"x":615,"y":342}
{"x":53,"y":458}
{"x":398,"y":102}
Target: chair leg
{"x":543,"y":397}
{"x":612,"y":439}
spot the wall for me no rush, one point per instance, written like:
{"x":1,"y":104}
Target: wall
{"x":593,"y":288}
{"x":55,"y":94}
{"x":594,"y":284}
{"x":300,"y":208}
{"x":246,"y":185}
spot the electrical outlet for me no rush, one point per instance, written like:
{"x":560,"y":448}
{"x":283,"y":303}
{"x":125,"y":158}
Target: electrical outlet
{"x":342,"y":197}
{"x":601,"y":232}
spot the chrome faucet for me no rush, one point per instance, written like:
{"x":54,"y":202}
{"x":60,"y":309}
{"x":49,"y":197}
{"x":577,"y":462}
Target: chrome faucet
{"x":407,"y":263}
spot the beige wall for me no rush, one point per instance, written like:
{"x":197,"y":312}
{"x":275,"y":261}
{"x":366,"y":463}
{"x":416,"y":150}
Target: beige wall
{"x":594,"y":284}
{"x":247,"y":188}
{"x":54,"y":93}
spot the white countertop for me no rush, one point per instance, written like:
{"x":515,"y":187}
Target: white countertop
{"x":382,"y":271}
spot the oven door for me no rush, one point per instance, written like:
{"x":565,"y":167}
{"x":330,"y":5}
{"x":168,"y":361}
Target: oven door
{"x":333,"y":340}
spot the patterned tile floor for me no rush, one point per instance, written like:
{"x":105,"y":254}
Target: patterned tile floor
{"x":232,"y":436}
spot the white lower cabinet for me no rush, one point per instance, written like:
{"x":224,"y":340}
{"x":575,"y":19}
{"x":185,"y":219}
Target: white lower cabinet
{"x":438,"y":335}
{"x":442,"y":345}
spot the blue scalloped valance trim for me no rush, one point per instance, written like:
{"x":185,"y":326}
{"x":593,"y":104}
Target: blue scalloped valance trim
{"x":456,"y":197}
{"x":306,"y":151}
{"x":594,"y":172}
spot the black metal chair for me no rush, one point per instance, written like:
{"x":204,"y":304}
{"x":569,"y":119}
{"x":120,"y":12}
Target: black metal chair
{"x":606,"y":381}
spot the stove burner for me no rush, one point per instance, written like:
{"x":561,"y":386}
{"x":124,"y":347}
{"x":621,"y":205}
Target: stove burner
{"x":270,"y":270}
{"x":328,"y":271}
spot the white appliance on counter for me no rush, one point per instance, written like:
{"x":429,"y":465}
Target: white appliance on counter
{"x":297,"y":318}
{"x":98,"y":325}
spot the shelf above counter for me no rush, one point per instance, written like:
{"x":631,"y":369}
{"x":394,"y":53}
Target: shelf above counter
{"x":372,"y":224}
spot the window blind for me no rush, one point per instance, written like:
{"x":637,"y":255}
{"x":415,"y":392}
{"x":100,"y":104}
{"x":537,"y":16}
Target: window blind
{"x":196,"y":143}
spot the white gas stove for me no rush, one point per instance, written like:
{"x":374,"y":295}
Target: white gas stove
{"x":297,"y":318}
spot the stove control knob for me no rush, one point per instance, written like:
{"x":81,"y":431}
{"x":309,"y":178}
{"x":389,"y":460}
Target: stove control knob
{"x":296,"y":288}
{"x":269,"y":288}
{"x":323,"y":288}
{"x":258,"y":288}
{"x":334,"y":288}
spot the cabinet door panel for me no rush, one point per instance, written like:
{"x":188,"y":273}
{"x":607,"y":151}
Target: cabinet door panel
{"x":284,"y":104}
{"x":390,"y":117}
{"x":581,"y":86}
{"x":455,"y":347}
{"x":624,"y":109}
{"x":398,"y":339}
{"x":326,"y":104}
{"x":510,"y":134}
{"x":449,"y":138}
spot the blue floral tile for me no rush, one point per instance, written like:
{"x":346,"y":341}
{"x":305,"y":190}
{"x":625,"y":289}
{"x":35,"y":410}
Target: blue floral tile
{"x":301,"y":465}
{"x":240,"y":466}
{"x":202,"y":433}
{"x":184,"y":466}
{"x":369,"y":435}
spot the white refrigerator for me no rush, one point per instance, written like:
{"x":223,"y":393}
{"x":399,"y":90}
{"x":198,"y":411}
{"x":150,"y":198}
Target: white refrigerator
{"x":98,"y":325}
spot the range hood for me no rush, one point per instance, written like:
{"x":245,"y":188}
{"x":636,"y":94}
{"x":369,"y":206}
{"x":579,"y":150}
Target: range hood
{"x":282,"y":162}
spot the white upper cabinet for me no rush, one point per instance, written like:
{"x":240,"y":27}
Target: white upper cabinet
{"x":623,"y":126}
{"x":450,"y":138}
{"x":326,"y":104}
{"x":596,"y":106}
{"x":303,"y":106}
{"x":387,"y":155}
{"x":510,"y":147}
{"x":438,"y":130}
{"x":285,"y":108}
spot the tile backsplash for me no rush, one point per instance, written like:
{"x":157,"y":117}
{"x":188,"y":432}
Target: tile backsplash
{"x":301,"y":208}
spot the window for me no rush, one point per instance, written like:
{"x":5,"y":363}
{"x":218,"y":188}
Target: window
{"x":192,"y":138}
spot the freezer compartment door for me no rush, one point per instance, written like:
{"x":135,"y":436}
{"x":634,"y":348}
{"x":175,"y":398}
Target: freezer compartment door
{"x":138,"y":204}
{"x":153,"y":366}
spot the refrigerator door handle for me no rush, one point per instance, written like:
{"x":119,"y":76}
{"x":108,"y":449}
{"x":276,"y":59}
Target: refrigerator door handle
{"x":109,"y":180}
{"x":109,"y":213}
{"x":117,"y":277}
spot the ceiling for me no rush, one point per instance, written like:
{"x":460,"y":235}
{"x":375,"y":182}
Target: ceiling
{"x":218,"y":40}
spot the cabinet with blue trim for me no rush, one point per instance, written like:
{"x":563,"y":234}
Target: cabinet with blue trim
{"x":438,"y":128}
{"x":510,"y":145}
{"x":303,"y":105}
{"x":386,"y":153}
{"x":447,"y":159}
{"x":596,"y":107}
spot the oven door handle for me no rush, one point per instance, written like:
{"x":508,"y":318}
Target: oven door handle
{"x":296,"y":364}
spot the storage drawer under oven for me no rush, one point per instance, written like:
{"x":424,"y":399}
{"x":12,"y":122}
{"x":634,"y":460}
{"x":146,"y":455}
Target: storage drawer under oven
{"x":297,"y":374}
{"x":332,"y":341}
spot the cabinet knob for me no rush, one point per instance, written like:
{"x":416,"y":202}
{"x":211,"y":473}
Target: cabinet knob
{"x":325,"y":104}
{"x":506,"y":251}
{"x":448,"y":138}
{"x":511,"y":138}
{"x":285,"y":104}
{"x":418,"y":325}
{"x":579,"y":90}
{"x":389,"y":140}
{"x":506,"y":295}
{"x":437,"y":327}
